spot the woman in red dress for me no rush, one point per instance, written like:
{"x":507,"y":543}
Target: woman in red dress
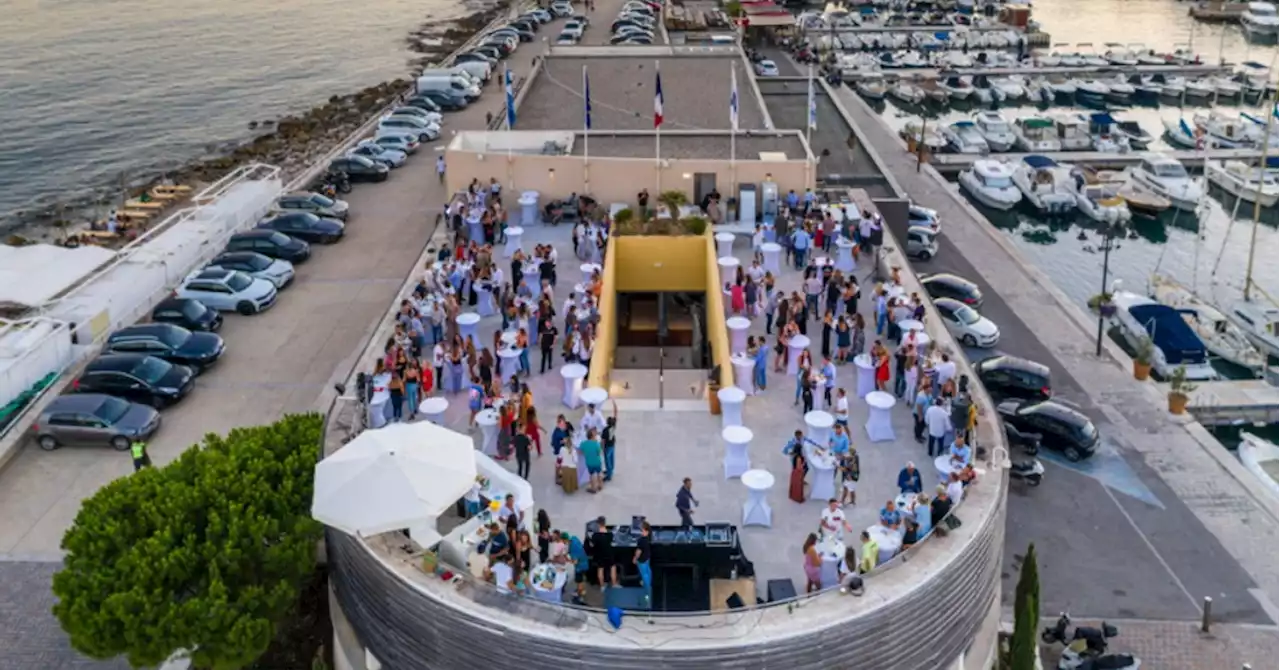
{"x":882,"y":366}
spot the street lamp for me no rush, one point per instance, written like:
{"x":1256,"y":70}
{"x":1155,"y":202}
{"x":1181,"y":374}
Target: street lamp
{"x":1108,"y":230}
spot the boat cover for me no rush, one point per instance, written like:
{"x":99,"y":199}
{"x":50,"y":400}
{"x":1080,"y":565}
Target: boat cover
{"x":1039,"y":162}
{"x":1101,"y":119}
{"x":1170,"y":332}
{"x":1037,"y":123}
{"x":1182,"y":125}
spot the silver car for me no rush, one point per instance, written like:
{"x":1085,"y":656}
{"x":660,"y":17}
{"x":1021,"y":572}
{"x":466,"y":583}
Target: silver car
{"x":228,"y":290}
{"x":398,"y":141}
{"x":313,"y":203}
{"x":94,"y":419}
{"x":277,"y":271}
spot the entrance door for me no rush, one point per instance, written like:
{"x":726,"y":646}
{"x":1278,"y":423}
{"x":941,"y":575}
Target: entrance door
{"x":703,"y":183}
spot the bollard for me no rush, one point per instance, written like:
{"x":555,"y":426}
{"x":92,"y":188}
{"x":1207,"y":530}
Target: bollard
{"x":1247,"y":667}
{"x":1205,"y":611}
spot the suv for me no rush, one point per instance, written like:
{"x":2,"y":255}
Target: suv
{"x":226,"y":290}
{"x":187,"y":313}
{"x":137,"y":378}
{"x":94,"y":419}
{"x":946,"y":285}
{"x":175,"y":344}
{"x":308,"y":227}
{"x":1007,"y":377}
{"x":254,"y":264}
{"x":313,"y":203}
{"x":359,"y":168}
{"x":1060,"y":428}
{"x":272,"y":244}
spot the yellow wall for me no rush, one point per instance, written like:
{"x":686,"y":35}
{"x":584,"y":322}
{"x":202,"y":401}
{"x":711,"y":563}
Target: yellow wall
{"x":717,"y":330}
{"x":660,"y":263}
{"x":607,"y":328}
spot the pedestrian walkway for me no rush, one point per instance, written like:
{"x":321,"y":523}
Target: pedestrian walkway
{"x":1176,"y":645}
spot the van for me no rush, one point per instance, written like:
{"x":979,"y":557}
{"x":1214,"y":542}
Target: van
{"x":477,"y":70}
{"x":456,"y":84}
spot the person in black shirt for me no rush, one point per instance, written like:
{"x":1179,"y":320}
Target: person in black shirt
{"x":601,"y":548}
{"x":940,"y":507}
{"x":522,"y":444}
{"x":547,"y":272}
{"x":547,"y":344}
{"x":609,"y":441}
{"x":911,"y":536}
{"x":543,"y":527}
{"x":644,"y":550}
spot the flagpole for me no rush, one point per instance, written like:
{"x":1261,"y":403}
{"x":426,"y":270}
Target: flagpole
{"x":657,"y":142}
{"x":808,"y":133}
{"x":586,"y":131}
{"x":733,"y":121}
{"x":507,"y":91}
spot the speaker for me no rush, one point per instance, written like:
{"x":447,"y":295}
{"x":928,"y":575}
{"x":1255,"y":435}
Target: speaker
{"x":733,"y":602}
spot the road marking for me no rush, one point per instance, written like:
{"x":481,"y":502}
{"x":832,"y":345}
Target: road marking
{"x":1265,"y":603}
{"x":1195,"y":602}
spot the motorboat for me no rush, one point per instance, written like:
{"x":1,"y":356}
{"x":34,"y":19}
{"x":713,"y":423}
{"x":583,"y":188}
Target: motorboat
{"x":1171,"y":85}
{"x":1119,"y":89}
{"x":1039,"y":90}
{"x":1174,"y":343}
{"x":1221,"y":337}
{"x":1012,"y":89}
{"x":1106,"y":139}
{"x":995,"y":130}
{"x":1182,"y":56}
{"x":957,"y":88}
{"x":984,"y":92}
{"x":1073,"y":132}
{"x":933,"y":90}
{"x":1257,"y":78}
{"x":1200,"y":89}
{"x":907,"y":92}
{"x":1092,"y":89}
{"x":1035,"y":134}
{"x":1166,"y":176}
{"x":1225,"y":132}
{"x":871,"y":86}
{"x":1248,"y":183}
{"x":1142,"y":200}
{"x":1181,"y":134}
{"x":1259,"y":132}
{"x":990,"y":182}
{"x":1225,"y":87}
{"x":1118,"y":54}
{"x":1089,"y":56}
{"x":964,"y":138}
{"x":1260,"y":323}
{"x":933,"y":138}
{"x":1146,"y":88}
{"x":1133,"y":133}
{"x":1102,"y":202}
{"x":1147,"y":56}
{"x":1061,"y":56}
{"x":1062,"y":86}
{"x":1260,"y":20}
{"x":1262,"y":459}
{"x":1045,"y":184}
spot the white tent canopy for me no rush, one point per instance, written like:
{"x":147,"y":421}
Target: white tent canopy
{"x":400,"y":476}
{"x":505,"y":480}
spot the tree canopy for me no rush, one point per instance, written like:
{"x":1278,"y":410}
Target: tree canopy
{"x":205,"y":554}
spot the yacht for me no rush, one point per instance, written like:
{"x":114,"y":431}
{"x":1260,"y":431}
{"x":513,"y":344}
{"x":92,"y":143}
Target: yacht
{"x":1180,"y":134}
{"x":907,"y":92}
{"x":1260,"y":20}
{"x":1251,"y":184}
{"x":1012,"y":88}
{"x":1103,"y":132}
{"x":1200,"y":88}
{"x":995,"y":130}
{"x":1093,"y":89}
{"x":1175,"y":344}
{"x":1063,"y":86}
{"x":1119,"y":89}
{"x":963,"y":138}
{"x":1225,"y":132}
{"x":1089,"y":56}
{"x":1118,"y":54}
{"x":1262,"y":459}
{"x":984,"y":92}
{"x":1073,"y":132}
{"x":1167,"y":177}
{"x":990,"y":182}
{"x":871,"y":86}
{"x":1171,"y":85}
{"x":956,"y":88}
{"x":1045,"y":184}
{"x":1134,"y":134}
{"x":933,"y":139}
{"x":1102,"y":202}
{"x":1220,"y":336}
{"x":1260,"y":323}
{"x":1035,"y":134}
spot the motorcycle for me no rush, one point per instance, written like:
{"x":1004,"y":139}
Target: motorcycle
{"x":1095,"y":639}
{"x":1031,"y":472}
{"x":339,"y":181}
{"x":1030,"y":442}
{"x":1076,"y":657}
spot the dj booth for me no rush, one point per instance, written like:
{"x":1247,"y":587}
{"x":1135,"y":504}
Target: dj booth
{"x":691,"y":556}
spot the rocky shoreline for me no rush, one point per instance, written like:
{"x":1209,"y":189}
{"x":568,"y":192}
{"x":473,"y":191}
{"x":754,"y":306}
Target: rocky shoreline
{"x":294,"y":142}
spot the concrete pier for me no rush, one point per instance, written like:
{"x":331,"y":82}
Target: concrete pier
{"x":952,"y":163}
{"x":1226,"y":403}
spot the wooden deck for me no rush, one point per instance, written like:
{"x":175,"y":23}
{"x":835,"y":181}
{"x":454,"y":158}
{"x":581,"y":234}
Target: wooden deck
{"x":1224,"y":403}
{"x":951,"y":163}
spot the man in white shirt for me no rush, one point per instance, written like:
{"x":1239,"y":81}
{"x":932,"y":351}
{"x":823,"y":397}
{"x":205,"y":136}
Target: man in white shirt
{"x":437,"y":362}
{"x":440,"y":168}
{"x":502,"y":574}
{"x":842,"y":408}
{"x":955,"y":488}
{"x":938,"y":421}
{"x":757,"y":240}
{"x":508,"y":510}
{"x":593,"y":418}
{"x":833,"y":523}
{"x":946,"y":370}
{"x":756,"y":272}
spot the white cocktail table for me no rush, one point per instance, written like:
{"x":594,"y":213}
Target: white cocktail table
{"x":573,"y":374}
{"x":797,"y":344}
{"x":467,"y":322}
{"x":432,"y":409}
{"x":819,"y":424}
{"x":724,"y":244}
{"x":866,"y":374}
{"x":756,"y":511}
{"x":488,"y":422}
{"x":738,"y":326}
{"x":731,"y":399}
{"x":736,"y":459}
{"x":879,"y":422}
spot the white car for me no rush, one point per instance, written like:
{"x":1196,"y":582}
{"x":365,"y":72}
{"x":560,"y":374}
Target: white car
{"x":400,"y":142}
{"x":574,"y":28}
{"x":228,"y":290}
{"x":566,"y":38}
{"x":392,"y":158}
{"x":277,"y":271}
{"x":425,"y":131}
{"x":966,"y":324}
{"x":766,"y":68}
{"x":562,"y":9}
{"x":430,"y":117}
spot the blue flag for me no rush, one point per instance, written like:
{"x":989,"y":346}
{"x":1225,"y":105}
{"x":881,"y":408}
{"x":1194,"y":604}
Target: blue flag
{"x":586,"y":99}
{"x":511,"y":99}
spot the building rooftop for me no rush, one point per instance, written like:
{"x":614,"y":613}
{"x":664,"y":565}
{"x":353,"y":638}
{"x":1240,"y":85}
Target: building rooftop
{"x":695,"y":91}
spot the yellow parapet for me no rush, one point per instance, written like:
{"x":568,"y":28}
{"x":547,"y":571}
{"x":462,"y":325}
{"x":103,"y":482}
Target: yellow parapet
{"x":607,"y":328}
{"x":717,"y":330}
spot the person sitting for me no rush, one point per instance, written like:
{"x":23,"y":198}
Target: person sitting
{"x":961,"y":454}
{"x":912,"y":533}
{"x":503,"y":575}
{"x":890,"y":517}
{"x":909,"y":479}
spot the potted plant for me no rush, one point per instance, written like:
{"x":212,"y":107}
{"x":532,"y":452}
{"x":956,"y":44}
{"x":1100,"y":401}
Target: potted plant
{"x":1142,"y":359}
{"x":1179,"y":390}
{"x":624,"y":221}
{"x":673,"y":200}
{"x":1102,"y":302}
{"x":694,"y":225}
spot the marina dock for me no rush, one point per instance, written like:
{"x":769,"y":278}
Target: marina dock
{"x":1108,"y":70}
{"x":953,"y":163}
{"x":941,"y":28}
{"x":1225,"y":403}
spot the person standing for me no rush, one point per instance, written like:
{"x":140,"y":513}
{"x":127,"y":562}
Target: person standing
{"x":593,"y":457}
{"x":609,"y":441}
{"x":139,"y":452}
{"x":937,"y":420}
{"x":440,"y":168}
{"x":644,"y":551}
{"x":546,"y":344}
{"x":685,"y":502}
{"x":600,"y":544}
{"x":812,"y":564}
{"x":522,"y":444}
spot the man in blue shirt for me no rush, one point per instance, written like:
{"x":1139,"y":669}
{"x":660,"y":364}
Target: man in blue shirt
{"x":890,"y":517}
{"x":581,"y":564}
{"x":829,"y":381}
{"x":793,"y":201}
{"x":809,"y":198}
{"x":960,"y":453}
{"x":685,"y":503}
{"x":909,"y":479}
{"x":839,"y":441}
{"x":800,"y":244}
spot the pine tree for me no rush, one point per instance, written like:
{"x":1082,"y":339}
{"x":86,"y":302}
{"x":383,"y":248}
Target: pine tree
{"x":1026,"y":614}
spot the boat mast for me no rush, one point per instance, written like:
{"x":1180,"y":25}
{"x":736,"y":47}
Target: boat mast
{"x":1257,"y":198}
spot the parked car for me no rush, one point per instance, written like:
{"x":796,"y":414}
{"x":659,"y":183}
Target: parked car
{"x":359,"y":168}
{"x":254,"y":264}
{"x":624,"y":23}
{"x":94,"y":419}
{"x":468,"y":56}
{"x":562,"y":9}
{"x":187,"y":313}
{"x":628,"y":38}
{"x":490,"y":51}
{"x":966,"y":324}
{"x":522,"y":31}
{"x":227,"y":290}
{"x":426,"y":131}
{"x":400,"y":142}
{"x":433,"y":118}
{"x":766,"y":68}
{"x":272,"y":244}
{"x":422,"y":102}
{"x":175,"y":344}
{"x":1061,"y":428}
{"x":315,"y":203}
{"x":542,"y":16}
{"x":308,"y":227}
{"x":1010,"y":377}
{"x":136,"y":378}
{"x":574,"y":28}
{"x":946,"y":285}
{"x":445,"y":101}
{"x":392,"y":158}
{"x":566,"y":38}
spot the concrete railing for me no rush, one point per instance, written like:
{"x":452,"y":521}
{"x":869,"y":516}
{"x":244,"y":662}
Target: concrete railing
{"x":606,"y":343}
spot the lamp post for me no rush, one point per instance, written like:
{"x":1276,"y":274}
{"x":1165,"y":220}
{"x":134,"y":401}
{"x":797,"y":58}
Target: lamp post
{"x":1109,"y":232}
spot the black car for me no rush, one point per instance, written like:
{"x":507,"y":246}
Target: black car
{"x":173,"y":343}
{"x":187,"y":313}
{"x":469,"y":56}
{"x":444,"y":101}
{"x":1061,"y":428}
{"x":525,"y":23}
{"x":522,"y":31}
{"x":1007,"y":377}
{"x":945,"y":285}
{"x":422,"y":102}
{"x":359,"y":168}
{"x":271,"y":243}
{"x":490,"y":51}
{"x":306,"y":226}
{"x":136,"y":377}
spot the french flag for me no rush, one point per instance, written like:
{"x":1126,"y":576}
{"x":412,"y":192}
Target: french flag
{"x":657,"y":101}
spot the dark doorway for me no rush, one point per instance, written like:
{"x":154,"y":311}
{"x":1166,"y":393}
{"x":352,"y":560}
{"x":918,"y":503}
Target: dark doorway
{"x":662,"y":326}
{"x":703,"y":183}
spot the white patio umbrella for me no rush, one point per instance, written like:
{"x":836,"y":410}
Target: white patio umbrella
{"x":395,"y":477}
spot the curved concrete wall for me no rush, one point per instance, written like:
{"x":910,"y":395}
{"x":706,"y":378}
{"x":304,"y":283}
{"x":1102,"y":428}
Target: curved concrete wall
{"x":408,"y":626}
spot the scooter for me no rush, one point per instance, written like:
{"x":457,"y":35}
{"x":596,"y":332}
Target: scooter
{"x":1076,"y":656}
{"x":1030,"y":442}
{"x":1031,"y":472}
{"x":1095,"y":639}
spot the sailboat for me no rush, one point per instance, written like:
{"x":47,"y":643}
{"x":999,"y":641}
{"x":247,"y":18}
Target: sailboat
{"x":1262,"y":459}
{"x":1220,"y":336}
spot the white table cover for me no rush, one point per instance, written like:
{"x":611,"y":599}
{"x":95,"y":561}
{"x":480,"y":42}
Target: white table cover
{"x":844,"y":255}
{"x":508,"y":363}
{"x":797,"y":344}
{"x":467,"y":328}
{"x":514,"y":236}
{"x":724,"y":244}
{"x":819,"y":424}
{"x":594,"y":396}
{"x":528,"y":208}
{"x":772,"y":252}
{"x":485,"y":305}
{"x":822,"y":473}
{"x":879,"y":421}
{"x":731,"y":399}
{"x":588,"y":269}
{"x":573,"y":374}
{"x":736,"y":458}
{"x":432,"y":409}
{"x":744,"y":373}
{"x":488,"y":422}
{"x":738,"y":326}
{"x":756,"y":511}
{"x":866,"y":374}
{"x":728,"y":269}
